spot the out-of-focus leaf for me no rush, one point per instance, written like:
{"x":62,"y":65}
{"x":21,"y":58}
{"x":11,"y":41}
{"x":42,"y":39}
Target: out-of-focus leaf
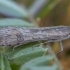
{"x":14,"y":22}
{"x":40,"y":63}
{"x":48,"y":7}
{"x":10,"y":8}
{"x":53,"y":67}
{"x":26,"y":54}
{"x":36,"y":6}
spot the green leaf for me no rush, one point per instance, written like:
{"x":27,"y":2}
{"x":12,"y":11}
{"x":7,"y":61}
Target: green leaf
{"x":12,"y":9}
{"x":10,"y":52}
{"x":4,"y":63}
{"x":27,"y":54}
{"x":14,"y":22}
{"x":7,"y":64}
{"x":2,"y":67}
{"x":40,"y":63}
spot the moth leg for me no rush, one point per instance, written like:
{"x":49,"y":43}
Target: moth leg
{"x":40,"y":43}
{"x":16,"y":46}
{"x":61,"y":46}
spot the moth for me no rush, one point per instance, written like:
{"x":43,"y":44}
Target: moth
{"x":12,"y":36}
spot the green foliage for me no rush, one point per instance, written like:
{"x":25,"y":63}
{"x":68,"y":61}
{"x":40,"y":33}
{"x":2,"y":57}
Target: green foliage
{"x":25,"y":57}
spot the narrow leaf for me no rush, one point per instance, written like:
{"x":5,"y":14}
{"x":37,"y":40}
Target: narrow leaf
{"x":14,"y":22}
{"x":48,"y":7}
{"x":6,"y":63}
{"x":2,"y":67}
{"x":10,"y":8}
